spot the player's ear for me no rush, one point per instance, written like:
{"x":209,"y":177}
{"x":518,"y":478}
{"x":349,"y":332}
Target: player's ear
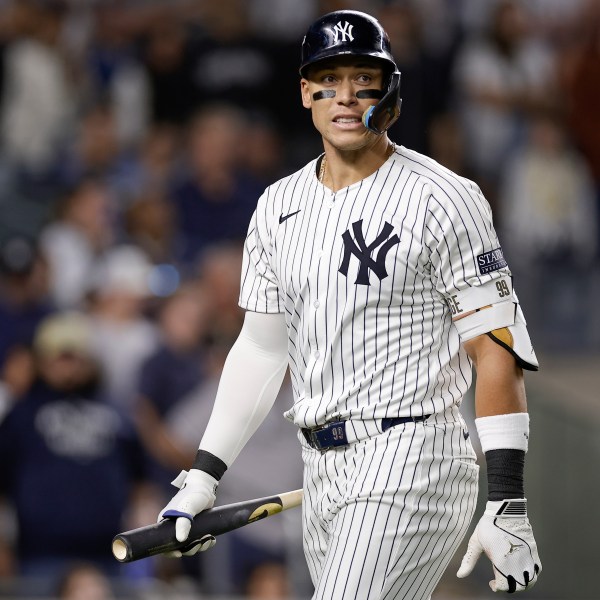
{"x":304,"y":91}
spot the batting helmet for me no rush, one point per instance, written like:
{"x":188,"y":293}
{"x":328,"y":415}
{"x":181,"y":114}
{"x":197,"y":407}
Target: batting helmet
{"x":349,"y":32}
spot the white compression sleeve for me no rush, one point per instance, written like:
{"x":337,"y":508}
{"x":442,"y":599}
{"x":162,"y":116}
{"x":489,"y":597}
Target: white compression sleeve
{"x":249,"y":384}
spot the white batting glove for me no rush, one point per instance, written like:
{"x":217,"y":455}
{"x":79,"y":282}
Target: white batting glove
{"x":505,"y":535}
{"x":197,"y":493}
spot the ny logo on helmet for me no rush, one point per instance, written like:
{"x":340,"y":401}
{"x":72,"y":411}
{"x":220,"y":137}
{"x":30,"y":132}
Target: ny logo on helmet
{"x":343,"y":33}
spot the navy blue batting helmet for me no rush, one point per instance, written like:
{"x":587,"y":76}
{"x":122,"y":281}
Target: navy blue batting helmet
{"x":350,"y":32}
{"x":345,"y":32}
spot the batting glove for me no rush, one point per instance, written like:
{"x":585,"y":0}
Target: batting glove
{"x":197,"y":493}
{"x":505,"y":535}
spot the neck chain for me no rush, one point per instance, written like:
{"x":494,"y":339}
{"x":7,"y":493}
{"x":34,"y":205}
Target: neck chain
{"x":390,"y":150}
{"x":322,"y":169}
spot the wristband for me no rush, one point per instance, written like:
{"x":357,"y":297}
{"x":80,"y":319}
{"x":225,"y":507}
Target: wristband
{"x":505,"y":474}
{"x":504,"y":431}
{"x":209,"y":463}
{"x":504,"y":440}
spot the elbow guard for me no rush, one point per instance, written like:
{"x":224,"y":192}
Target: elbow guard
{"x":494,"y":309}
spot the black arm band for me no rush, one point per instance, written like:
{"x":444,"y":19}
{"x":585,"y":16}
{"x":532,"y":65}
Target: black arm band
{"x":505,"y":474}
{"x":209,"y":463}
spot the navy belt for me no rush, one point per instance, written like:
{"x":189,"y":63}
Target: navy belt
{"x":333,"y":434}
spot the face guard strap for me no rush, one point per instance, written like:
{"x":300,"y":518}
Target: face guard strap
{"x":383,"y":115}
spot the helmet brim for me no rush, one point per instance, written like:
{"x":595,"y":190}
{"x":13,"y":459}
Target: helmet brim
{"x":331,"y":54}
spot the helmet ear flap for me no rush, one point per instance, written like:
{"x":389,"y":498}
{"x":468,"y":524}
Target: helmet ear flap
{"x":383,"y":115}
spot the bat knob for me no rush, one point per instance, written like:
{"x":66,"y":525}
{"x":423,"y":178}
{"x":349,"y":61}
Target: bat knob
{"x":119,"y":550}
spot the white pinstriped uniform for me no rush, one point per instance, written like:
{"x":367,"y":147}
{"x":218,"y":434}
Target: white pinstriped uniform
{"x":366,"y":278}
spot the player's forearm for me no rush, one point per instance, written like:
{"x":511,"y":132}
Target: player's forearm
{"x":249,"y":384}
{"x":502,"y":419}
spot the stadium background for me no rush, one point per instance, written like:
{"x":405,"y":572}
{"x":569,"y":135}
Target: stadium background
{"x":135,"y":138}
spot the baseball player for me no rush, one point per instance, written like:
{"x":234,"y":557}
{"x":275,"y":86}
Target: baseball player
{"x":376,"y":276}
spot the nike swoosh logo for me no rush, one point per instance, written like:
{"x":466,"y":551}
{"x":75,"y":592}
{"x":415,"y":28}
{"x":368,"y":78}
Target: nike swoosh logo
{"x":283,"y":218}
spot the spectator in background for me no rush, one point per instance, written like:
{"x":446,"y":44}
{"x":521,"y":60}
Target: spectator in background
{"x":213,"y":199}
{"x":72,"y":243}
{"x":168,"y":59}
{"x":24,"y":298}
{"x":115,"y":76}
{"x":148,"y":217}
{"x":580,"y":78}
{"x":425,"y":81}
{"x":83,"y":581}
{"x":268,"y":581}
{"x":174,"y":369}
{"x":262,"y":154}
{"x":6,"y":32}
{"x":500,"y":80}
{"x":281,"y":19}
{"x":219,"y":267}
{"x":157,"y":159}
{"x":24,"y":303}
{"x":202,"y":313}
{"x":40,"y":98}
{"x":61,"y":443}
{"x":123,"y":336}
{"x":549,"y":228}
{"x":16,"y":376}
{"x":446,"y":143}
{"x":95,"y":148}
{"x":149,"y":225}
{"x":235,"y":65}
{"x":96,"y":152}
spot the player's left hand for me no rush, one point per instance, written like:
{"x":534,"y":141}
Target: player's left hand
{"x":196,"y":493}
{"x":504,"y":534}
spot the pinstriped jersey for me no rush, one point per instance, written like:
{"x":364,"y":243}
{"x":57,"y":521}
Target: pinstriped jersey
{"x":367,"y":277}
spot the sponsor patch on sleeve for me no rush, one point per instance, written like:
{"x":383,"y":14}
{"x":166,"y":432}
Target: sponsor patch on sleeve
{"x":491,"y":261}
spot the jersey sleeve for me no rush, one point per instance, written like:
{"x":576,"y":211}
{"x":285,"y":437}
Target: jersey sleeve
{"x":465,"y":252}
{"x":259,"y":287}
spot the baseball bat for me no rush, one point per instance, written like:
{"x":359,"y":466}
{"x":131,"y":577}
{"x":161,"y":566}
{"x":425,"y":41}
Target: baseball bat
{"x":160,"y":537}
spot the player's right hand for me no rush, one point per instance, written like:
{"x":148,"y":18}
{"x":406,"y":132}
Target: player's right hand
{"x":196,"y":493}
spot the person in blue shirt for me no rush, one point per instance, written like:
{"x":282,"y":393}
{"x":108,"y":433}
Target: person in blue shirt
{"x":60,"y":444}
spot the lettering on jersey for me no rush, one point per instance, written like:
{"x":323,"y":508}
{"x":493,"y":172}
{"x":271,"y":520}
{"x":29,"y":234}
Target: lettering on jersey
{"x":343,"y":33}
{"x":454,"y":305}
{"x":362,"y":251}
{"x":491,"y":261}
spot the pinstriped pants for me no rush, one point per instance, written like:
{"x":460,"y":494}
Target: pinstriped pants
{"x":383,"y":517}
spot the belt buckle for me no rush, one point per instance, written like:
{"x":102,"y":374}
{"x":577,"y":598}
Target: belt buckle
{"x":329,"y":435}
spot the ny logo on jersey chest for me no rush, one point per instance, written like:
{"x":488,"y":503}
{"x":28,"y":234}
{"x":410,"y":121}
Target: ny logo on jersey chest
{"x":358,"y":247}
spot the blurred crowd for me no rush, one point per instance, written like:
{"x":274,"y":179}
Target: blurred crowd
{"x":135,"y":139}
